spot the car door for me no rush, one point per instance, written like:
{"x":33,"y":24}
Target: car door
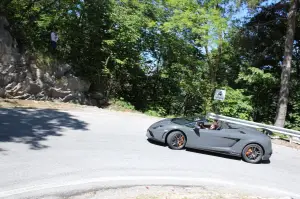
{"x":218,"y":140}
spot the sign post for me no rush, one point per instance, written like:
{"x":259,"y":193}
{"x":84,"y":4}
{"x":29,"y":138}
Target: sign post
{"x":219,"y":96}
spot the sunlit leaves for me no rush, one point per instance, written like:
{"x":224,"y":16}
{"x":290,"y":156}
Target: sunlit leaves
{"x":294,"y":112}
{"x":257,"y":76}
{"x":236,"y":104}
{"x":205,"y":22}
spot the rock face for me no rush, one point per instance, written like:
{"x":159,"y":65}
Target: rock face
{"x":8,"y":50}
{"x":22,"y":78}
{"x":22,"y":82}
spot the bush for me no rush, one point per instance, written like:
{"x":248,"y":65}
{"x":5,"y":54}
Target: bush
{"x":156,"y":111}
{"x":152,"y":113}
{"x":236,"y":104}
{"x":122,"y":104}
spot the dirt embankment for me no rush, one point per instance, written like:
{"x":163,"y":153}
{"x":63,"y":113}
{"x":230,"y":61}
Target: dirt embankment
{"x":12,"y":103}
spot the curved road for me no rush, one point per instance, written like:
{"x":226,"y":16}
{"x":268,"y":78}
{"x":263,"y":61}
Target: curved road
{"x":47,"y":151}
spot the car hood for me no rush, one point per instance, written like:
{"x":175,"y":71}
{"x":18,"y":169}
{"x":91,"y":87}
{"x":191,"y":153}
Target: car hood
{"x":161,"y":123}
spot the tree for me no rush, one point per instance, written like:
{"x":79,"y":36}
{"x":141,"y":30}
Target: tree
{"x":259,"y":45}
{"x":286,"y":66}
{"x":268,"y":21}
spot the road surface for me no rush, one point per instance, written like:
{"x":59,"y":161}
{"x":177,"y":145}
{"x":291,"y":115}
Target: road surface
{"x":49,"y":152}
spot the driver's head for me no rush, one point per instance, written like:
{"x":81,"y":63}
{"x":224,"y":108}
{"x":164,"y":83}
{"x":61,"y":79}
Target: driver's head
{"x":214,"y":125}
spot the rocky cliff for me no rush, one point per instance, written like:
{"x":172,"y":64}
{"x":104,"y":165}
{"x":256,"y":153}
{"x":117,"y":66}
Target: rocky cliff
{"x":21,"y":77}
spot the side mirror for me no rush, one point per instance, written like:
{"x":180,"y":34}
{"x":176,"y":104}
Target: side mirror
{"x":197,"y":131}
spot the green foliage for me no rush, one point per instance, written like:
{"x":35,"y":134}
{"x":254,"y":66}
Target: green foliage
{"x":202,"y":20}
{"x":156,"y":111}
{"x":120,"y":104}
{"x":236,"y":104}
{"x":256,"y":76}
{"x":294,"y":110}
{"x":262,"y":86}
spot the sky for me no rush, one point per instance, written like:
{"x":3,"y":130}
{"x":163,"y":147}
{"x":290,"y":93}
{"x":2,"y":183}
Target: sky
{"x":243,"y":12}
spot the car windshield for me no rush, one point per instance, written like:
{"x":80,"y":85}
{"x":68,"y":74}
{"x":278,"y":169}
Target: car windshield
{"x":186,"y":120}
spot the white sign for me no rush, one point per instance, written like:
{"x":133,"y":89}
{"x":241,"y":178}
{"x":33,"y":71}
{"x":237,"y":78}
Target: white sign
{"x":220,"y":94}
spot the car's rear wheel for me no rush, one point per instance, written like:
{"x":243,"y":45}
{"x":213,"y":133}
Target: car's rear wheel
{"x":253,"y":153}
{"x":176,"y":140}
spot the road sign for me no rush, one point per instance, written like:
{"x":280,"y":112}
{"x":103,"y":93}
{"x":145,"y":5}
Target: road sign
{"x":220,"y":94}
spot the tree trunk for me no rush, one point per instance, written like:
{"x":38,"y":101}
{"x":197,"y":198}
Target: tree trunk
{"x":219,"y":57}
{"x":211,"y":67}
{"x":286,"y":67}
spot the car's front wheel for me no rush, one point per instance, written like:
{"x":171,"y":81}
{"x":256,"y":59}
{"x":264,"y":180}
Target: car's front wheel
{"x":176,"y":140}
{"x":252,"y":153}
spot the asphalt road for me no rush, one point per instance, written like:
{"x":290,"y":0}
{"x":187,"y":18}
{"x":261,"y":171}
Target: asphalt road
{"x":46,"y":151}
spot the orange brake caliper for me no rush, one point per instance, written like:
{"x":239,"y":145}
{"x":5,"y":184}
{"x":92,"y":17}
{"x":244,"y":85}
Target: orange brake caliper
{"x":248,"y":152}
{"x":180,"y":142}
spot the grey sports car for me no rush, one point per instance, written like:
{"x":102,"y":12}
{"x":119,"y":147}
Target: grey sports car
{"x":248,"y":143}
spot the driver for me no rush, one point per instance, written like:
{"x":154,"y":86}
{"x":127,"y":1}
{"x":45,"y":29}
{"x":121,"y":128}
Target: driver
{"x":214,"y":125}
{"x":200,"y":125}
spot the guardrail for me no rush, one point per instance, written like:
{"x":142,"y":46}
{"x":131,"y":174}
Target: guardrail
{"x":272,"y":128}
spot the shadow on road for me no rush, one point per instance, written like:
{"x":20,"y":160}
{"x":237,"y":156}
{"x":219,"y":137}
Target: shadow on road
{"x":31,"y":126}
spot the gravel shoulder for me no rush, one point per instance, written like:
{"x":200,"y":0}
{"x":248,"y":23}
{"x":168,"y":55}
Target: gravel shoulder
{"x":166,"y":192}
{"x":12,"y":103}
{"x":286,"y":143}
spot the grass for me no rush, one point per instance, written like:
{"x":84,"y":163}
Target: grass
{"x":121,"y":105}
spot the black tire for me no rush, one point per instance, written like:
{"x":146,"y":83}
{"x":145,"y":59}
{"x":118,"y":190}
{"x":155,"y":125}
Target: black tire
{"x":176,"y":140}
{"x":253,"y":153}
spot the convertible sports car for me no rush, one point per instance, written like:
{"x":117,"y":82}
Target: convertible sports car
{"x":248,"y":143}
